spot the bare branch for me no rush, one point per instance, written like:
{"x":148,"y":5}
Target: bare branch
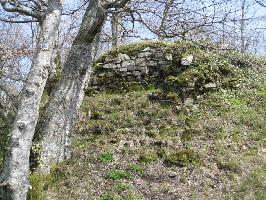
{"x":260,"y":3}
{"x":18,"y":8}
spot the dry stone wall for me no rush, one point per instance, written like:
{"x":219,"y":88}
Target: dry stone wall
{"x":150,"y":65}
{"x":183,"y":70}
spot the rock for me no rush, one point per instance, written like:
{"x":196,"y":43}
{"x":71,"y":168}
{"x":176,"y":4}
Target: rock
{"x":110,"y":66}
{"x":144,"y":54}
{"x":159,"y":54}
{"x":169,"y":57}
{"x":210,"y":85}
{"x":109,"y":59}
{"x":136,"y":73}
{"x":178,"y":109}
{"x":195,"y":107}
{"x":140,"y":62}
{"x":187,"y":60}
{"x":128,"y":63}
{"x":123,"y":69}
{"x":163,"y":63}
{"x":152,"y":63}
{"x":122,"y":57}
{"x":188,"y":101}
{"x":172,"y":174}
{"x":191,"y":84}
{"x":148,"y":49}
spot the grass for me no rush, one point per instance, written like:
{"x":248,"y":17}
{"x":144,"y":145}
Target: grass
{"x":106,"y":157}
{"x":41,"y":182}
{"x":118,"y":174}
{"x":228,"y":125}
{"x":136,"y":168}
{"x":254,"y":184}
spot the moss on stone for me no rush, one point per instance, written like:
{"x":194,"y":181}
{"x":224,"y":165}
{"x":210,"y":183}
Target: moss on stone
{"x":133,"y":49}
{"x":182,"y":157}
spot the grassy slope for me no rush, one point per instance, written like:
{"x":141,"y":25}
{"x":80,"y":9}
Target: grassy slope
{"x":138,"y":137}
{"x":128,"y":147}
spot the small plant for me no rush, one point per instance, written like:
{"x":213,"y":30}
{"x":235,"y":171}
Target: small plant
{"x":114,"y":116}
{"x":121,"y":187}
{"x":166,"y":188}
{"x":147,"y":157}
{"x":116,"y":101}
{"x":188,"y":134}
{"x":95,"y":115}
{"x":230,"y":165}
{"x":106,"y":196}
{"x":106,"y":157}
{"x":133,"y":196}
{"x":136,"y":168}
{"x":118,"y":174}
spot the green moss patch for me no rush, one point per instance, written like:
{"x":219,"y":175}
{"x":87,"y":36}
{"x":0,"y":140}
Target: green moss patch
{"x":182,"y":158}
{"x":147,"y":157}
{"x":40,"y":183}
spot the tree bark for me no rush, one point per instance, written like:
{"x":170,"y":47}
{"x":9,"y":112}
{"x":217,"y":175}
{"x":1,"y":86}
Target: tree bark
{"x":242,"y":26}
{"x":14,"y":178}
{"x":62,"y":110}
{"x":116,"y":28}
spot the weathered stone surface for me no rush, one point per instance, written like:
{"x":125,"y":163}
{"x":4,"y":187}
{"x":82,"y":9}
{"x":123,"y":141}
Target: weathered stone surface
{"x":188,"y":101}
{"x":122,"y":57}
{"x":128,"y":63}
{"x":141,"y":62}
{"x":187,"y":60}
{"x":169,"y":57}
{"x":152,"y":63}
{"x":110,"y":66}
{"x":137,"y":73}
{"x":110,"y":59}
{"x":144,"y":54}
{"x":210,"y":85}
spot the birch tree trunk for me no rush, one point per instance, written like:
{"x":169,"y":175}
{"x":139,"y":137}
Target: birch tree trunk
{"x":62,"y":110}
{"x":14,"y":178}
{"x":116,"y":28}
{"x":242,"y":26}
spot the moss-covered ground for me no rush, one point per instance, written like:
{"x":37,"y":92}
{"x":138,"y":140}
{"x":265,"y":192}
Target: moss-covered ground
{"x":126,"y":146}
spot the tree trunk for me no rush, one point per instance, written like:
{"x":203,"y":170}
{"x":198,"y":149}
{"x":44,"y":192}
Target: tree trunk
{"x":14,"y":178}
{"x":116,"y":28}
{"x":62,"y":110}
{"x":242,"y":26}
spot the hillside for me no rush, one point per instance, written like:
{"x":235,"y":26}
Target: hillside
{"x":193,"y":128}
